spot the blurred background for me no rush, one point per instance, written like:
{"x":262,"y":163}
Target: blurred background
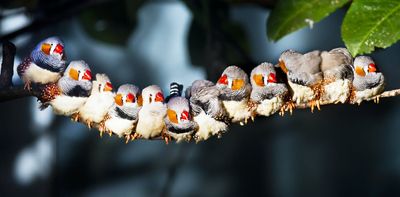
{"x":342,"y":150}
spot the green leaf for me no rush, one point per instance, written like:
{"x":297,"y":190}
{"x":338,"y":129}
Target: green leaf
{"x":291,"y":15}
{"x":371,"y":23}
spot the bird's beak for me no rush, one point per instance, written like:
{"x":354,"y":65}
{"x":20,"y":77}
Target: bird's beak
{"x":159,"y":97}
{"x":184,"y":115}
{"x":283,"y":66}
{"x":371,"y":68}
{"x":108,"y":87}
{"x":46,"y":48}
{"x":74,"y":74}
{"x":172,"y":116}
{"x":130,"y":98}
{"x":59,"y":49}
{"x":87,"y":75}
{"x":259,"y":79}
{"x":118,"y":99}
{"x":272,"y":78}
{"x":237,"y":84}
{"x":359,"y":71}
{"x":223,"y":80}
{"x":140,"y":100}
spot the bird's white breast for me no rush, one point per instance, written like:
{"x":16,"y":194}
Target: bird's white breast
{"x":119,"y":126}
{"x":208,"y":126}
{"x":238,"y":110}
{"x":367,"y":93}
{"x":96,"y":107}
{"x":67,"y":105}
{"x":337,"y":91}
{"x":301,"y":94}
{"x":151,"y":120}
{"x":268,"y":107}
{"x":39,"y":75}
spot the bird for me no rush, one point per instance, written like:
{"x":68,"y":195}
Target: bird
{"x":71,"y":91}
{"x":235,"y":92}
{"x":304,"y":75}
{"x":207,"y":109}
{"x":268,"y":94}
{"x":179,"y":122}
{"x":45,"y":64}
{"x":99,"y":102}
{"x":123,"y":115}
{"x":368,"y":81}
{"x":151,"y":116}
{"x":337,"y":75}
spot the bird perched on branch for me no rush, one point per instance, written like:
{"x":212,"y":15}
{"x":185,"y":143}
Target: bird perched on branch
{"x":151,"y":116}
{"x":45,"y":64}
{"x":304,"y":75}
{"x":99,"y":102}
{"x":179,"y":123}
{"x":338,"y":75}
{"x":73,"y":89}
{"x":235,"y":91}
{"x":123,"y":115}
{"x":207,"y":109}
{"x":268,"y":94}
{"x":368,"y":81}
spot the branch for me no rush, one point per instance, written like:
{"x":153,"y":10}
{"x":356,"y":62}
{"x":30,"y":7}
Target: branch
{"x":7,"y":66}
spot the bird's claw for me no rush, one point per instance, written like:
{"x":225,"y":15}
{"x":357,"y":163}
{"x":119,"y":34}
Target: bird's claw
{"x":166,"y":137}
{"x":27,"y":86}
{"x":75,"y":117}
{"x":376,"y":99}
{"x":313,"y":104}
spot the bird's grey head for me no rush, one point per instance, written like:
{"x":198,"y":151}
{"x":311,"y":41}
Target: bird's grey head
{"x":263,"y":75}
{"x":128,"y":96}
{"x":364,"y":66}
{"x":78,"y":70}
{"x":152,"y":94}
{"x":50,"y":54}
{"x":102,"y":83}
{"x":234,"y":84}
{"x":178,"y":110}
{"x":285,"y":57}
{"x":198,"y":84}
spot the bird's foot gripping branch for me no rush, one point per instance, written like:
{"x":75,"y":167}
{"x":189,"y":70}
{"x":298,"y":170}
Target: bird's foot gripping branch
{"x":207,"y":109}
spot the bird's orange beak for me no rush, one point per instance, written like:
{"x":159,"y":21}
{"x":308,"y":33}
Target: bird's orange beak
{"x":359,"y":71}
{"x":46,"y":48}
{"x":259,"y":79}
{"x":237,"y":84}
{"x":283,"y":66}
{"x":159,"y":97}
{"x":108,"y":87}
{"x":172,"y":116}
{"x":87,"y":75}
{"x":118,"y":99}
{"x":371,"y":68}
{"x":272,"y":78}
{"x":130,"y":98}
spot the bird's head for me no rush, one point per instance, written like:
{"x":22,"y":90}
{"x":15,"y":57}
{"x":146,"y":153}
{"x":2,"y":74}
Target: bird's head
{"x":104,"y":83}
{"x":364,"y":66}
{"x":52,"y":46}
{"x":178,"y":110}
{"x":152,"y":94}
{"x":128,"y":95}
{"x":79,"y":71}
{"x":284,"y":57}
{"x":263,"y":75}
{"x":233,"y":78}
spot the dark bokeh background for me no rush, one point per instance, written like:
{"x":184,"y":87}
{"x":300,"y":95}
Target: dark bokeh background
{"x":342,"y":150}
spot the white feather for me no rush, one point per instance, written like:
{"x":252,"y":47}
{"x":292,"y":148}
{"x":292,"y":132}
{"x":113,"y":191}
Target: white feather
{"x":268,"y":107}
{"x":301,"y":94}
{"x":151,"y":120}
{"x":208,"y":126}
{"x":238,"y":110}
{"x":119,"y":126}
{"x":39,"y":75}
{"x":67,"y":105}
{"x":96,"y":107}
{"x":179,"y":137}
{"x":368,"y":93}
{"x":337,"y":91}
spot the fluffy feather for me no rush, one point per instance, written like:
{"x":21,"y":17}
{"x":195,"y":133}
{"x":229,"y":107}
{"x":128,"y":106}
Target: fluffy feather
{"x":151,"y":120}
{"x":120,"y":126}
{"x":67,"y":105}
{"x":238,"y":110}
{"x":208,"y":126}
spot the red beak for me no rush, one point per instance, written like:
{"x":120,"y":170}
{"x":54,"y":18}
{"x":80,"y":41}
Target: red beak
{"x":59,"y":49}
{"x":159,"y":97}
{"x":272,"y":78}
{"x":223,"y":80}
{"x":371,"y":68}
{"x":87,"y":75}
{"x":185,"y":115}
{"x":130,"y":98}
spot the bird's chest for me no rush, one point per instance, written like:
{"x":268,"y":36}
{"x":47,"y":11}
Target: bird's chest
{"x":237,"y":110}
{"x":37,"y":74}
{"x":268,"y":107}
{"x":301,"y":94}
{"x":336,"y":91}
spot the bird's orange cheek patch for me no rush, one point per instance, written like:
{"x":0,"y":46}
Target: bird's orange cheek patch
{"x":118,"y":99}
{"x":259,"y":79}
{"x":46,"y":48}
{"x":360,"y":71}
{"x":237,"y":84}
{"x":172,"y":116}
{"x":283,"y":66}
{"x":74,"y":74}
{"x":140,"y":100}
